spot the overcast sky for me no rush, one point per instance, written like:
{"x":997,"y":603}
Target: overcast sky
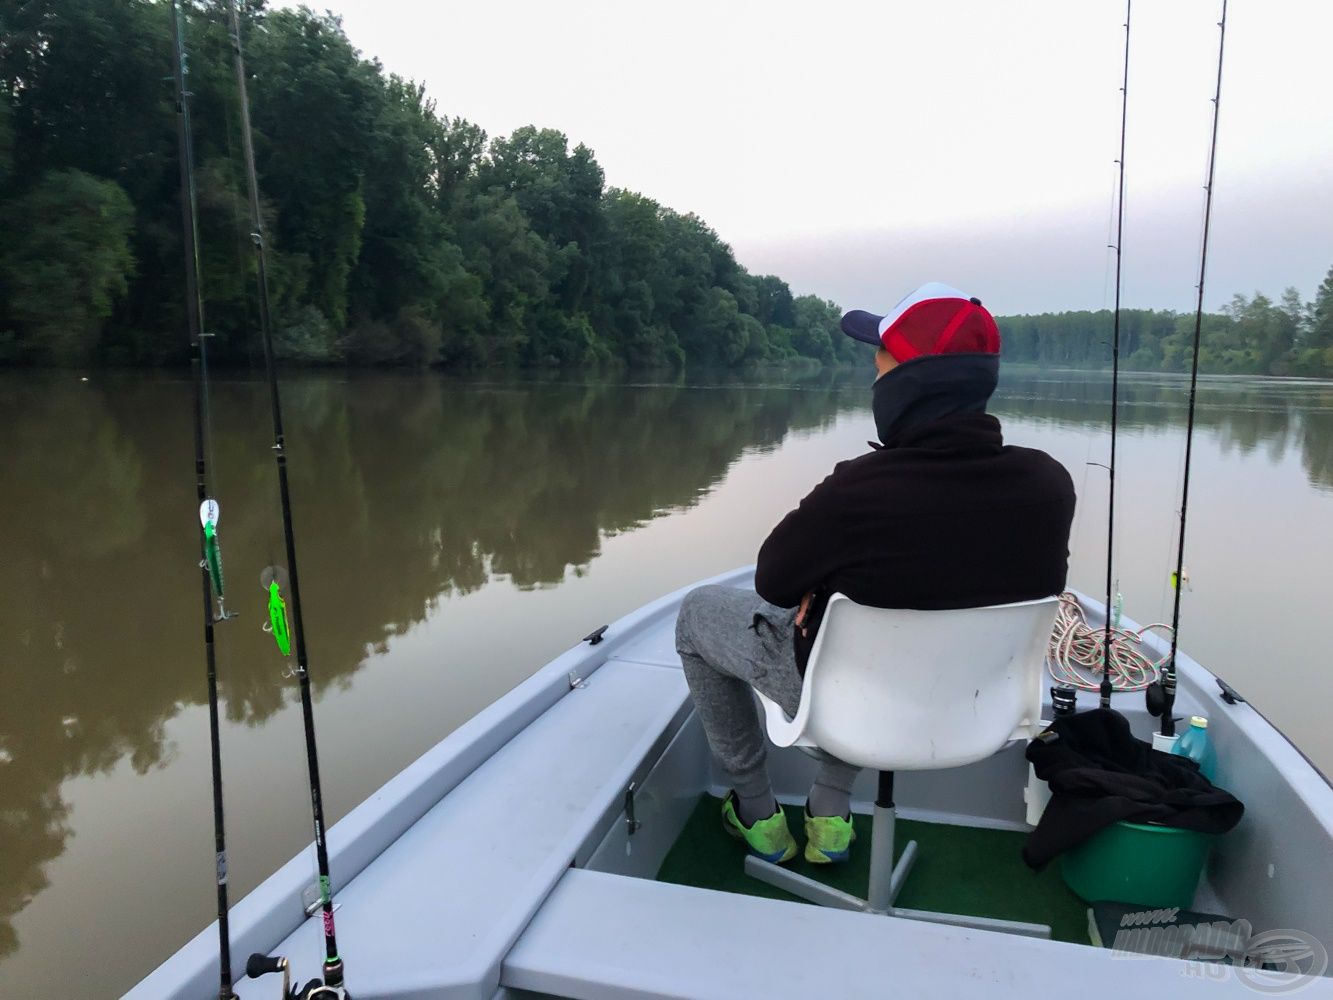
{"x":859,"y":149}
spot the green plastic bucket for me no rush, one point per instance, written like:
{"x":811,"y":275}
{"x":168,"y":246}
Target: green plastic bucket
{"x":1154,"y":866}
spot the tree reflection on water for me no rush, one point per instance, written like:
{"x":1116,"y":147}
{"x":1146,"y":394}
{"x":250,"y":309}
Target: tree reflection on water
{"x":405,"y":492}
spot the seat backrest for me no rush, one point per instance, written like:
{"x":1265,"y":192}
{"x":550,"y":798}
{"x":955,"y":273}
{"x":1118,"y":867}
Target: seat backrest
{"x":899,"y":689}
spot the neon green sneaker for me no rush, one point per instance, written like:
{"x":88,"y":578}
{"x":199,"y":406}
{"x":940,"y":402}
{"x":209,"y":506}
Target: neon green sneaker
{"x":768,"y":838}
{"x":827,"y":838}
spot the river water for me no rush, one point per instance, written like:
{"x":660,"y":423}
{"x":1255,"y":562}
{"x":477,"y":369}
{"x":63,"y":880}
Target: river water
{"x":454,"y":536}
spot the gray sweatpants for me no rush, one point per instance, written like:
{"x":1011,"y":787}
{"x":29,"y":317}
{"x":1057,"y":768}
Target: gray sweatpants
{"x":729,"y":642}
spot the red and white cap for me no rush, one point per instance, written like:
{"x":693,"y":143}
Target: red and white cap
{"x":934,"y":319}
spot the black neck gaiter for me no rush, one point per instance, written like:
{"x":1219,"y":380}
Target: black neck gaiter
{"x":931,"y":388}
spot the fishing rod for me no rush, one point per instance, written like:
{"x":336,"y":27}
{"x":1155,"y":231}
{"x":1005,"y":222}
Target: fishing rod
{"x":210,"y":563}
{"x":1105,"y":689}
{"x":1167,"y":698}
{"x":275,"y":581}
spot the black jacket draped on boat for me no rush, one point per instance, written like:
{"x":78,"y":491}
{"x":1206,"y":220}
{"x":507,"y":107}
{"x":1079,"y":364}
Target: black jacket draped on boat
{"x":1100,"y":773}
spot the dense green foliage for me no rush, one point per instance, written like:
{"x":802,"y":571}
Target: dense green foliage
{"x":397,"y":235}
{"x":71,"y":261}
{"x":1251,"y":335}
{"x":401,"y":236}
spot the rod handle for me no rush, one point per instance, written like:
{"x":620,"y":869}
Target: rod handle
{"x":261,"y":965}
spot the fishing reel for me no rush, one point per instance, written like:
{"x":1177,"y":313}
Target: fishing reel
{"x":1155,"y":697}
{"x":261,"y":965}
{"x":1160,"y":694}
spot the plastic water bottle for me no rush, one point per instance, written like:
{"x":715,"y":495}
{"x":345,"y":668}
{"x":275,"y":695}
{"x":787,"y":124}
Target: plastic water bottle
{"x":1195,"y":744}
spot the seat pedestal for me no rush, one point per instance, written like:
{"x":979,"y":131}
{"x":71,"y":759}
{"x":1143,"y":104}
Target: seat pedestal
{"x":886,"y":879}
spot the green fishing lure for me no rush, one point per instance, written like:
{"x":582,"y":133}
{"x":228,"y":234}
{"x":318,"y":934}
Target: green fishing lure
{"x":277,"y":619}
{"x":272,"y":580}
{"x":208,"y":518}
{"x":213,"y":556}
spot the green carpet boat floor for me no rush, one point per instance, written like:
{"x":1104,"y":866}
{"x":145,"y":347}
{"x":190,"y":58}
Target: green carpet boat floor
{"x":959,"y":869}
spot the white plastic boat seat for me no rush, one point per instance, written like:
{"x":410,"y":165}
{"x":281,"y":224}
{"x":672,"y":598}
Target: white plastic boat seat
{"x":436,"y":912}
{"x":897,"y":689}
{"x":609,"y":937}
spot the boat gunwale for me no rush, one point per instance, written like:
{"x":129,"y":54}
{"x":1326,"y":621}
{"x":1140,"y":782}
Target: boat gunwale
{"x":274,"y":908}
{"x":1204,"y":684}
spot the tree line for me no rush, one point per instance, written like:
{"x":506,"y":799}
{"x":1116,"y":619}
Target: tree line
{"x":396,"y":234}
{"x":1250,"y":335}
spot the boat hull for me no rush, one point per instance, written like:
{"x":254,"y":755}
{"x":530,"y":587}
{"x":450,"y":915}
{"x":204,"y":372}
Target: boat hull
{"x":519,"y":853}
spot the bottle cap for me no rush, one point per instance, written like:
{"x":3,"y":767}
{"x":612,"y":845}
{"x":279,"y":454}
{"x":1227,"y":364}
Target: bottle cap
{"x":1199,"y":720}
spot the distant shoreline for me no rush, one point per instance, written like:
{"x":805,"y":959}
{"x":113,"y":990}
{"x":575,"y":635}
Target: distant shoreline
{"x":688,"y":375}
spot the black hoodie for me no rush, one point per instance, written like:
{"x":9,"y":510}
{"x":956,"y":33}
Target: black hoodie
{"x":941,"y":514}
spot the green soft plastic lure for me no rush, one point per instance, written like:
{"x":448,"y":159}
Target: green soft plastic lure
{"x":271,"y":580}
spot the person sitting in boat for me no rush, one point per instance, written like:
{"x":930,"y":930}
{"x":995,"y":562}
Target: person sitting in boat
{"x":939,"y":514}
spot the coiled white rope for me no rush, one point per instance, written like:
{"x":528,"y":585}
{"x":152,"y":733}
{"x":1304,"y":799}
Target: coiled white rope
{"x":1074,"y":655}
